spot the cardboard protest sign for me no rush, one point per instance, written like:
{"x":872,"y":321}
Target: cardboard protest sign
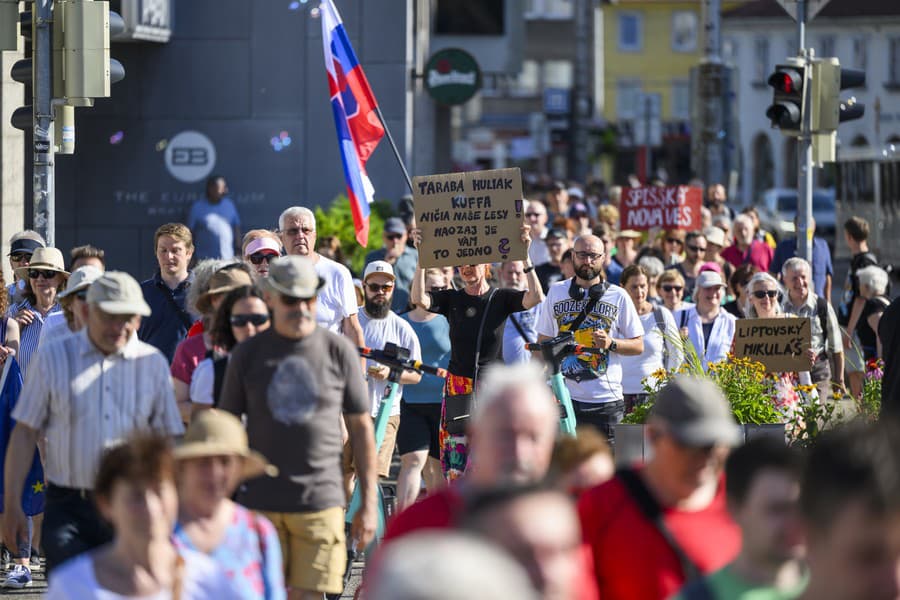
{"x":670,"y":207}
{"x":469,"y":218}
{"x":779,"y":344}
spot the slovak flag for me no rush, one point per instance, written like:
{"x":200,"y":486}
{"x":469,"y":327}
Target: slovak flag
{"x":358,"y":127}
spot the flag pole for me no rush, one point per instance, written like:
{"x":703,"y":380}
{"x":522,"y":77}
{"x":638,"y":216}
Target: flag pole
{"x":390,"y":138}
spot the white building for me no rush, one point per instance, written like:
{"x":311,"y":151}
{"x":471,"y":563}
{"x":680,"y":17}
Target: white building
{"x":863,"y":34}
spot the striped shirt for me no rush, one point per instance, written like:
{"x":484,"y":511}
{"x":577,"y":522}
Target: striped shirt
{"x":86,"y":401}
{"x":30,"y":335}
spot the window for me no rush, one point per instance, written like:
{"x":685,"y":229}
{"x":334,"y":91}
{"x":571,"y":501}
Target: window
{"x":630,"y":32}
{"x":528,"y":81}
{"x":549,"y":9}
{"x":860,"y":53}
{"x":826,"y":46}
{"x":894,"y":62}
{"x":760,"y":60}
{"x":681,"y":100}
{"x":558,"y":74}
{"x":684,"y":31}
{"x":628,"y":94}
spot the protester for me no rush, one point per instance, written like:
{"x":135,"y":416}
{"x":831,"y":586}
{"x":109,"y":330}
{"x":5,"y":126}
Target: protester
{"x":291,"y":383}
{"x":716,"y":199}
{"x":694,"y":257}
{"x":567,"y":265}
{"x":626,"y":254}
{"x":716,"y":242}
{"x":654,"y":267}
{"x":738,"y":282}
{"x":825,"y":334}
{"x":520,"y":327}
{"x":850,"y":504}
{"x":548,"y":273}
{"x":135,"y":494}
{"x":758,"y":232}
{"x":856,"y":236}
{"x":70,"y":417}
{"x":210,"y":462}
{"x":402,"y":259}
{"x":166,"y":291}
{"x":746,"y":248}
{"x":71,"y":301}
{"x":600,"y":315}
{"x":382,"y":326}
{"x":557,"y":201}
{"x":762,"y":488}
{"x":260,"y":252}
{"x":21,"y":246}
{"x":44,"y":278}
{"x":476,"y":314}
{"x":579,"y":219}
{"x":536,"y":217}
{"x":671,"y":290}
{"x":672,"y":241}
{"x":581,"y":462}
{"x":653,"y":528}
{"x":822,"y":268}
{"x":660,"y":335}
{"x":420,"y":408}
{"x":214,"y":222}
{"x":873,"y":285}
{"x":706,"y":325}
{"x":336,"y":309}
{"x":241,"y":315}
{"x":81,"y":256}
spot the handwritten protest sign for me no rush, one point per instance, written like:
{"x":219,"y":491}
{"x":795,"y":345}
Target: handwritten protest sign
{"x":779,"y":344}
{"x":469,"y":218}
{"x":671,"y":207}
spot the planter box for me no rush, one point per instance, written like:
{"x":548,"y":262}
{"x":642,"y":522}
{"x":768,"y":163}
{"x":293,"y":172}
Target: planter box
{"x":632,"y":446}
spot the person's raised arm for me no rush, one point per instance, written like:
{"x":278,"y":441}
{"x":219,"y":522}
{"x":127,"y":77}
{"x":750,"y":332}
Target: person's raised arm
{"x":535,"y":293}
{"x":417,"y":295}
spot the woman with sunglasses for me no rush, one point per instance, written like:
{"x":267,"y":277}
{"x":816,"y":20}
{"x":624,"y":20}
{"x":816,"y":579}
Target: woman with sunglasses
{"x":242,"y":314}
{"x":44,"y":278}
{"x":261,"y":251}
{"x":672,"y":241}
{"x":670,"y":286}
{"x":706,"y":325}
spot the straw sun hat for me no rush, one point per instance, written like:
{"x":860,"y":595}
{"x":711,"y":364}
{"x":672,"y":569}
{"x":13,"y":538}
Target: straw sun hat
{"x":218,"y":433}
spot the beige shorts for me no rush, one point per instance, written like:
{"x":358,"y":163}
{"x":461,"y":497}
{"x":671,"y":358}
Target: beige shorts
{"x":385,"y":453}
{"x":314,"y":549}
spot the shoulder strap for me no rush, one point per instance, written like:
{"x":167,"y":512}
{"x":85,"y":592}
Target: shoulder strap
{"x":519,"y":328}
{"x":822,"y":312}
{"x":220,"y":364}
{"x":661,"y":325}
{"x":651,"y":509}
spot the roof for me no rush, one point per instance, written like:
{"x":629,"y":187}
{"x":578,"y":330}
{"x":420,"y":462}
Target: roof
{"x":835,"y":9}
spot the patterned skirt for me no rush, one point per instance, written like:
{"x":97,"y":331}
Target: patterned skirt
{"x":454,"y":448}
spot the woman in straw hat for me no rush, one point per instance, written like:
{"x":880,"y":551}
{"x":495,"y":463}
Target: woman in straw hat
{"x":44,"y":278}
{"x":213,"y":458}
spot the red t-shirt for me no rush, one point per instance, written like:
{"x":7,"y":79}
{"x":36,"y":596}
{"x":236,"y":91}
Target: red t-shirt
{"x":759,"y":254}
{"x":632,"y":561}
{"x":188,"y":355}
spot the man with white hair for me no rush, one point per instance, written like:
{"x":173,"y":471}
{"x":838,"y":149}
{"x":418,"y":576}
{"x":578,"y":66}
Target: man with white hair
{"x":825,"y":341}
{"x":536,"y":217}
{"x":337,"y":308}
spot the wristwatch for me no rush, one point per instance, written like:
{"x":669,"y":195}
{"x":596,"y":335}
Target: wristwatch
{"x":613,"y":346}
{"x":528,"y":269}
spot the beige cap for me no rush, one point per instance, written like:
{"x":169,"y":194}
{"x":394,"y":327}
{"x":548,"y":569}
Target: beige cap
{"x":379,"y":266}
{"x":628,"y":233}
{"x":293,"y":276}
{"x":223,"y":281}
{"x":714,"y":235}
{"x":218,"y":433}
{"x":80,"y":279}
{"x":45,"y":259}
{"x":118,"y":293}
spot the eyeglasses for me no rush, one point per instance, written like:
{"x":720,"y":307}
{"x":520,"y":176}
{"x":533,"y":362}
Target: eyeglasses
{"x":257,"y":258}
{"x":41,"y":273}
{"x":763,"y":293}
{"x":295,"y":231}
{"x":293,"y":300}
{"x":243,"y":320}
{"x":674,"y":241}
{"x":533,"y":215}
{"x":696,"y":249}
{"x":672,"y":288}
{"x":20,"y":256}
{"x":589,"y":256}
{"x":394,"y":236}
{"x":375,"y":288}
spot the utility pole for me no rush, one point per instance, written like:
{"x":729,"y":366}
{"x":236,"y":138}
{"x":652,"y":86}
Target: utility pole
{"x":581,"y":99}
{"x":804,"y":150}
{"x":648,"y":148}
{"x":44,"y":220}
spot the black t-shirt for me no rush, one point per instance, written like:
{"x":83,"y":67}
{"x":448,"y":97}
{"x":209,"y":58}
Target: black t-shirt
{"x":464,"y":313}
{"x":548,"y":274}
{"x":851,"y":287}
{"x":888,"y":328}
{"x":867,"y":337}
{"x":689,"y":281}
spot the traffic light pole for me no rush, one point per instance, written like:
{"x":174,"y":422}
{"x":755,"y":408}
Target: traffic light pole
{"x":804,"y":152}
{"x":43,"y":199}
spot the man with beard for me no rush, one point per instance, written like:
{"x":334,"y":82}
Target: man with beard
{"x":292,"y":382}
{"x":602,"y":316}
{"x":381,"y":326}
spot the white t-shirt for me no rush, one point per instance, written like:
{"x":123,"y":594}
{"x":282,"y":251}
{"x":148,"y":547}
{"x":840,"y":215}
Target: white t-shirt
{"x":656,"y":349}
{"x":203,"y":383}
{"x":203,"y":579}
{"x":377,"y":333}
{"x":592,"y":378}
{"x":337,"y":298}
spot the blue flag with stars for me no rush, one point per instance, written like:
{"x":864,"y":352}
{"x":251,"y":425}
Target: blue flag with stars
{"x":33,"y":493}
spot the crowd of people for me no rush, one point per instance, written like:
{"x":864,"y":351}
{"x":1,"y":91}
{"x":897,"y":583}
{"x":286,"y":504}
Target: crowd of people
{"x":200,"y":434}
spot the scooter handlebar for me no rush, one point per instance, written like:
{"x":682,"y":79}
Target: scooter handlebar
{"x":404,"y":363}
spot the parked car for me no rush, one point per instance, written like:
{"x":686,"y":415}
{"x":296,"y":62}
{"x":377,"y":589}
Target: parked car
{"x":778,"y":208}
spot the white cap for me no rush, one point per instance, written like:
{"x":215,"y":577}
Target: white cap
{"x":379,"y":266}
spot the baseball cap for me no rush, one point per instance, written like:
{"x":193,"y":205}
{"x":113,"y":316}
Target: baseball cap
{"x":579,"y":208}
{"x":696,"y":413}
{"x":24,"y":246}
{"x":293,"y":276}
{"x":556,"y":234}
{"x":379,"y":266}
{"x":261,"y":244}
{"x":80,"y":279}
{"x":709,"y":279}
{"x":118,"y":293}
{"x":394,"y":225}
{"x":575,"y":192}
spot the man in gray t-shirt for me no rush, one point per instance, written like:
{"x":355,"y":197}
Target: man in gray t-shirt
{"x":293,"y":382}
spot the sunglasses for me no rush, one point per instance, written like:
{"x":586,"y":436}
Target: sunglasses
{"x":674,"y":241}
{"x":763,"y":293}
{"x":671,"y":288}
{"x":696,"y":249}
{"x":293,"y":300}
{"x":375,"y":288}
{"x":255,"y":318}
{"x":41,"y":273}
{"x":19,"y":256}
{"x":394,"y":236}
{"x":257,"y":258}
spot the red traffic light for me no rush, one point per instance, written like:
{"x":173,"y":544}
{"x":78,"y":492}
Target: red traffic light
{"x":787,"y":81}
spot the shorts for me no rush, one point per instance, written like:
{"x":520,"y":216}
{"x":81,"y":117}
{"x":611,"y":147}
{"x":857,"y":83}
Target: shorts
{"x":419,"y":427}
{"x":313,"y":547}
{"x":385,"y":452}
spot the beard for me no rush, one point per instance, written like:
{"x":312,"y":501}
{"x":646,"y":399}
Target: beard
{"x":586,"y":272}
{"x":378,"y":309}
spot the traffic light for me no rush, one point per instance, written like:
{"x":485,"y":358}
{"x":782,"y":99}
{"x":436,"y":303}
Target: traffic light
{"x":22,"y":71}
{"x":850,"y":109}
{"x":786,"y":110}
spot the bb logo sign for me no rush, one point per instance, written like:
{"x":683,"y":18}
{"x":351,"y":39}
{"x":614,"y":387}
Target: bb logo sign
{"x":190,"y":157}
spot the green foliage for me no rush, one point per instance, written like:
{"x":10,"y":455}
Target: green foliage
{"x":337,"y":220}
{"x":809,"y":420}
{"x":870,"y":401}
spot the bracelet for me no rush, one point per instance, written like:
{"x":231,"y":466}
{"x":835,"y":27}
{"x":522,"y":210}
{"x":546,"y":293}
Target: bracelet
{"x":528,"y":269}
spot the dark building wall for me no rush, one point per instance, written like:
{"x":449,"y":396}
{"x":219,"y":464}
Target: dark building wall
{"x":240,"y":73}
